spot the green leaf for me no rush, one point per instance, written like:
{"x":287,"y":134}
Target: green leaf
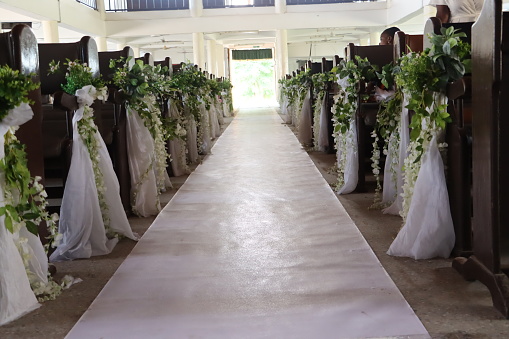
{"x":32,"y":228}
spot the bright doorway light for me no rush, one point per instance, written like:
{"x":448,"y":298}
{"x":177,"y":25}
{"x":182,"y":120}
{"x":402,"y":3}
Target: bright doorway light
{"x":254,"y":83}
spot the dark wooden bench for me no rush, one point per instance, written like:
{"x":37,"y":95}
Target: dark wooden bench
{"x":113,"y":124}
{"x":489,"y":262}
{"x":18,"y":50}
{"x":365,"y":119}
{"x":58,"y":110}
{"x":405,"y":43}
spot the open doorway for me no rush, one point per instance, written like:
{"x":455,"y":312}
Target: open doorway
{"x":253,"y":78}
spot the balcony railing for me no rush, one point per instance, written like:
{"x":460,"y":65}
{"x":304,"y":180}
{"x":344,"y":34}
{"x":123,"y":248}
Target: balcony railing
{"x":237,"y":3}
{"x":89,"y":3}
{"x":144,"y":5}
{"x":317,"y":2}
{"x":157,"y":5}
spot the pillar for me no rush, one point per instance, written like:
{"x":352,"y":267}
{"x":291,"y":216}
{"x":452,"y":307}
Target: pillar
{"x":374,"y":37}
{"x":199,"y":50}
{"x":50,"y":29}
{"x":281,"y":52}
{"x":196,"y":8}
{"x":121,"y":44}
{"x":102,"y":44}
{"x":211,"y":57}
{"x":364,"y":41}
{"x":220,"y":60}
{"x":136,"y":51}
{"x":280,"y":6}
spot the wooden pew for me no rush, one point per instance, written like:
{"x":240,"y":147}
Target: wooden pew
{"x":147,"y":58}
{"x":365,"y":119}
{"x":489,"y":262}
{"x":113,"y":126}
{"x":459,"y":140}
{"x":57,"y":115}
{"x":406,"y":43}
{"x":18,"y":50}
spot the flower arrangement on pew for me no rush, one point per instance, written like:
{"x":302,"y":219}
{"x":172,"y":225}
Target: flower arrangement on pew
{"x":295,"y":90}
{"x":92,"y":216}
{"x":193,"y":86}
{"x":349,"y":75}
{"x":79,"y":77}
{"x":23,"y":205}
{"x":140,"y":84}
{"x":425,"y":76}
{"x":225,"y":87}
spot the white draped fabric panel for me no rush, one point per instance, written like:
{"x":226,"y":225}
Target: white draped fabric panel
{"x":404,"y":139}
{"x":142,"y":166}
{"x":428,"y":231}
{"x":306,"y":118}
{"x":177,"y":147}
{"x":323,"y":139}
{"x":16,"y":296}
{"x":204,"y":128}
{"x":81,"y":222}
{"x":191,"y":139}
{"x":351,"y":175}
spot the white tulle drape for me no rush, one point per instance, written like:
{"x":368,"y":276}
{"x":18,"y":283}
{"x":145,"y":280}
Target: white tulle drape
{"x":306,"y":117}
{"x":286,"y":114}
{"x":428,"y":231}
{"x":177,"y":147}
{"x":81,"y":221}
{"x":191,"y":138}
{"x":219,"y":111}
{"x":323,"y":138}
{"x":204,"y":129}
{"x":215,"y":129}
{"x":142,"y":166}
{"x":351,"y":175}
{"x":404,"y":139}
{"x":16,"y":296}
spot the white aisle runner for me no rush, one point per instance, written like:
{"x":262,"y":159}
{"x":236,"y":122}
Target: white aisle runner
{"x":254,"y":245}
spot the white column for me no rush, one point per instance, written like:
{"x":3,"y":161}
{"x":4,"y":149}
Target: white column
{"x":280,"y":6}
{"x":211,"y":57}
{"x":50,"y":29}
{"x":121,"y":44}
{"x":196,"y":8}
{"x":102,"y":44}
{"x":136,"y":51}
{"x":101,"y":9}
{"x":199,"y":49}
{"x":220,"y":60}
{"x":374,"y":37}
{"x":281,"y":52}
{"x":364,"y":42}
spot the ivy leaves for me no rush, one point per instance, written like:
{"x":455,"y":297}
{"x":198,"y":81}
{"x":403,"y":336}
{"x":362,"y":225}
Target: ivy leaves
{"x":25,"y":210}
{"x":14,"y":89}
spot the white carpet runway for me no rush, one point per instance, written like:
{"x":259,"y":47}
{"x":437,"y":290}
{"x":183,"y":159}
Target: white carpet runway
{"x":254,"y":245}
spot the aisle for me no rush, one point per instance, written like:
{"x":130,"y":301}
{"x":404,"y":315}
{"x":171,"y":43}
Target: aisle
{"x":254,"y":245}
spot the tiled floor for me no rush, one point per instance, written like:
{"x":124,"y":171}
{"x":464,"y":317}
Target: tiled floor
{"x":254,"y":245}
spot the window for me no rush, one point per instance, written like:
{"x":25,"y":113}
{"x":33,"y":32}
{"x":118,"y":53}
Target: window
{"x":236,"y":3}
{"x":144,"y":5}
{"x":89,"y":3}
